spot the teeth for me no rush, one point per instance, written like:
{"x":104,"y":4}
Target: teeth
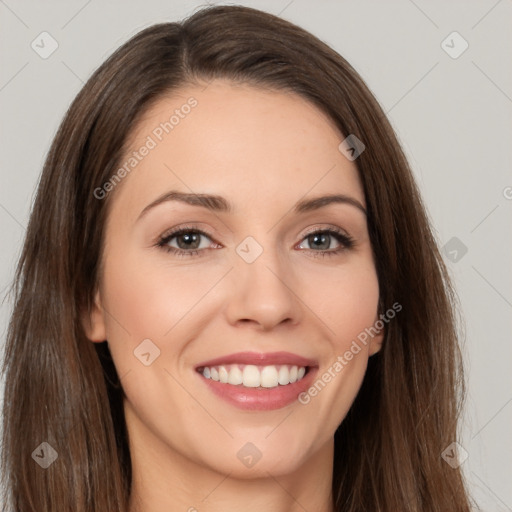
{"x":223,"y":375}
{"x":235,"y":376}
{"x":269,"y":377}
{"x":283,"y":377}
{"x":251,"y":376}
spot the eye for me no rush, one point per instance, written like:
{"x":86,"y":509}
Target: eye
{"x":322,"y":239}
{"x":188,"y":241}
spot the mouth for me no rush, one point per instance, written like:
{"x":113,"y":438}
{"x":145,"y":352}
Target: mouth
{"x":255,"y":381}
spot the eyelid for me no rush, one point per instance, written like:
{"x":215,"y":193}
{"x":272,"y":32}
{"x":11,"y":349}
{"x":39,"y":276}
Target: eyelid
{"x":179,"y":229}
{"x":326,"y":227}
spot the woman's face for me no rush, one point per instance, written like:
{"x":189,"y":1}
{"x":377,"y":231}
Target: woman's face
{"x":256,"y":295}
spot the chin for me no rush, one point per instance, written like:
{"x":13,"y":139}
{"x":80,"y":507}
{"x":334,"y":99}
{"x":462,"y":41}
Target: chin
{"x":258,"y":459}
{"x":262,"y":469}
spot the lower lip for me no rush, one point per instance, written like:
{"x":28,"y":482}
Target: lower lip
{"x":257,"y":399}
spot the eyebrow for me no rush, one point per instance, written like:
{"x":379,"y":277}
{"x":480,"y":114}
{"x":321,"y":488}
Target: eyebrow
{"x":217,"y":203}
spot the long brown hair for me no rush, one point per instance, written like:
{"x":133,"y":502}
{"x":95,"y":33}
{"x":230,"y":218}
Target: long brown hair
{"x":63,"y":390}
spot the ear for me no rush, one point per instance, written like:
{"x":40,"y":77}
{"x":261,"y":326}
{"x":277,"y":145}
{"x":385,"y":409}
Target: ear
{"x":377,"y":341}
{"x":94,"y":321}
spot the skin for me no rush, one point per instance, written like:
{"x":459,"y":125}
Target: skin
{"x":263,"y":151}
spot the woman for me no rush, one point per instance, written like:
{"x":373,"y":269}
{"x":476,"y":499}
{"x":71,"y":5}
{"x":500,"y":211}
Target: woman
{"x":229,"y":294}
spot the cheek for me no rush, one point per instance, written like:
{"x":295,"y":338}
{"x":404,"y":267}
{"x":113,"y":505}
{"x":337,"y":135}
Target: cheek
{"x":148,"y":297}
{"x":346,"y":300}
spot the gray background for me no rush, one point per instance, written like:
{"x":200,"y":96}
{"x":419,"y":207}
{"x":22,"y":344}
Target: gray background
{"x":452,"y":116}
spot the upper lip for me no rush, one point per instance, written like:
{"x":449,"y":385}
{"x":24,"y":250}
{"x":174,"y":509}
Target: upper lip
{"x":259,"y":359}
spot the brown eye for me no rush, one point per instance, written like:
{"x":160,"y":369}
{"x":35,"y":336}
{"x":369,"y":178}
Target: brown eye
{"x":187,"y":241}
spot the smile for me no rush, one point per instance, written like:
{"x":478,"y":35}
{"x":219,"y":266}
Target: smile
{"x":258,"y":381}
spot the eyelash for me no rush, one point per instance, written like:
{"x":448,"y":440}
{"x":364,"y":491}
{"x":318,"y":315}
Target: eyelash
{"x":346,"y":241}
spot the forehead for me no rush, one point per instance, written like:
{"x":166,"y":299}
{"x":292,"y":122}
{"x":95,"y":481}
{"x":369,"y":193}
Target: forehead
{"x":243,"y":142}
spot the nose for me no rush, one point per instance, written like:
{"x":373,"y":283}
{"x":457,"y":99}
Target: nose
{"x":264,"y":292}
